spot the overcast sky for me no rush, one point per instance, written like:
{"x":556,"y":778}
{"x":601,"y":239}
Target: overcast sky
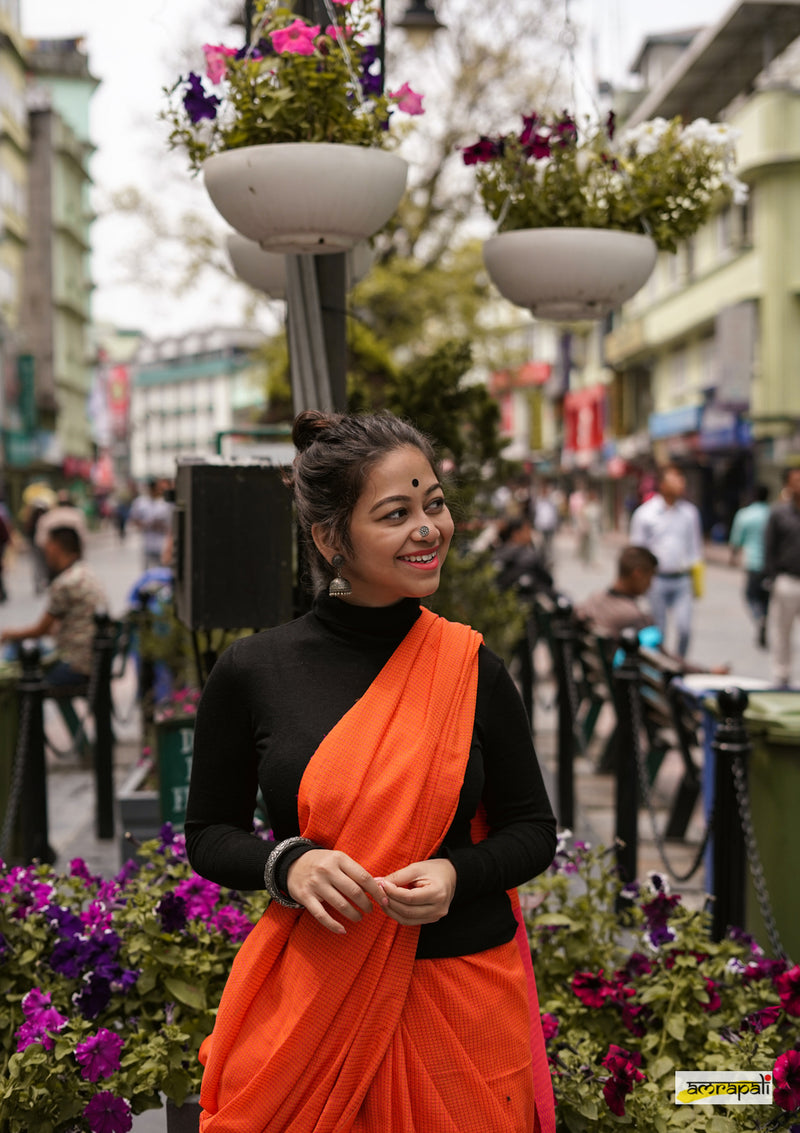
{"x":132,"y":49}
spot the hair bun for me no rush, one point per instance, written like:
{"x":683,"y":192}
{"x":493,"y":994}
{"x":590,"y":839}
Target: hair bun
{"x":309,"y":426}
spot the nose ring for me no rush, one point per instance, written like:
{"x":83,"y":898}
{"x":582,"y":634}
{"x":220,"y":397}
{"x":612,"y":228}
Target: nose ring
{"x":424,"y":532}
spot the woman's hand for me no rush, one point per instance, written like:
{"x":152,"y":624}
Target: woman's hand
{"x":420,"y":893}
{"x":332,"y":877}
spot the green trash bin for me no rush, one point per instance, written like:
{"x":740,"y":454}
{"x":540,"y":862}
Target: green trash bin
{"x":174,"y":738}
{"x":773,"y":722}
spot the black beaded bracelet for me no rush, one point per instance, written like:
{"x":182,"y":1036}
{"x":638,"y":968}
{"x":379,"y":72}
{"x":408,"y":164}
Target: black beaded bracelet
{"x":270,"y":884}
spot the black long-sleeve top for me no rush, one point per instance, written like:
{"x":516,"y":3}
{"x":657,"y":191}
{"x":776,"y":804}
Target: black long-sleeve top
{"x":269,"y":702}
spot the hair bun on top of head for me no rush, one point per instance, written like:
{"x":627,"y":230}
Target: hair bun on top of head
{"x":309,"y":426}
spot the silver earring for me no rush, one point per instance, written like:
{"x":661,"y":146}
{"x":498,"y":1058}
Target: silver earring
{"x":424,"y":532}
{"x":339,"y":587}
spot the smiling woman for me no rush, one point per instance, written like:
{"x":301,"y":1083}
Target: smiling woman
{"x":395,"y":759}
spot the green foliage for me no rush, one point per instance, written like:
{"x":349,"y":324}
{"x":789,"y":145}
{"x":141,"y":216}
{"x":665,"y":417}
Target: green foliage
{"x":660,"y":178}
{"x":162,"y":1012}
{"x":288,"y":96}
{"x":663,"y":988}
{"x":468,"y":592}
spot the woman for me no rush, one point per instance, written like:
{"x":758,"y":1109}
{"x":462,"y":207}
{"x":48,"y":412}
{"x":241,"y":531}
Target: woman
{"x":384,"y":989}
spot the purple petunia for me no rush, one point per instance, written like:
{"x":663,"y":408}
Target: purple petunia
{"x":196,"y":102}
{"x":41,"y":1020}
{"x":232,"y":922}
{"x":98,"y":1055}
{"x":201,"y":896}
{"x":106,"y":1113}
{"x":171,"y":911}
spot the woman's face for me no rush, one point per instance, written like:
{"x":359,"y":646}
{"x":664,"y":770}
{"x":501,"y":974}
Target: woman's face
{"x":391,"y":559}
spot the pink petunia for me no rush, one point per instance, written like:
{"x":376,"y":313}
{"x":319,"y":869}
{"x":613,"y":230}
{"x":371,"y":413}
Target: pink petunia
{"x":407,"y":100}
{"x":296,"y":39}
{"x":216,"y":54}
{"x":98,"y":1055}
{"x":786,"y":1080}
{"x":336,"y":33}
{"x":788,"y":987}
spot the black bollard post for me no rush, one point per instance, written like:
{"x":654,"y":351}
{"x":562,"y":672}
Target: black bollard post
{"x":563,"y":638}
{"x":103,"y":731}
{"x":731,"y":742}
{"x":33,"y":820}
{"x":147,"y":676}
{"x":626,"y":702}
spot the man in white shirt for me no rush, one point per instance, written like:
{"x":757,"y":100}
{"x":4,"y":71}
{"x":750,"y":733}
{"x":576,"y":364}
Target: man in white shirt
{"x":669,"y":526}
{"x":152,"y":514}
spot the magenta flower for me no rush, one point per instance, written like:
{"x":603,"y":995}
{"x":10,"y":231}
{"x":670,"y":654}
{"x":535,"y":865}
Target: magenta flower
{"x":98,"y":1055}
{"x":216,"y":56}
{"x":592,"y":989}
{"x":106,"y":1113}
{"x":788,"y":987}
{"x":485,"y":149}
{"x":786,"y":1080}
{"x":757,"y":1021}
{"x":41,"y":1020}
{"x":550,"y":1026}
{"x":714,"y":1001}
{"x":296,"y":39}
{"x":232,"y":922}
{"x":407,"y":100}
{"x":625,"y":1073}
{"x":201,"y":896}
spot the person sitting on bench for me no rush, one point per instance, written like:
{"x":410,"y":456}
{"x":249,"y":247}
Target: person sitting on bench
{"x":74,"y":595}
{"x":617,"y":608}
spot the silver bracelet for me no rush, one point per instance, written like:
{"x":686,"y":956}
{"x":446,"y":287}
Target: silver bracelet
{"x":270,"y":884}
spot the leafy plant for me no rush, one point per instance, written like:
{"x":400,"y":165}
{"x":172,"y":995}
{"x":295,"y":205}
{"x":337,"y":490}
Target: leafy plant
{"x":293,"y":82}
{"x":661,"y":178}
{"x":630,"y":997}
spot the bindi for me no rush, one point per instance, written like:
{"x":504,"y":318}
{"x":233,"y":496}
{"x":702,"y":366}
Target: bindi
{"x":415,"y":483}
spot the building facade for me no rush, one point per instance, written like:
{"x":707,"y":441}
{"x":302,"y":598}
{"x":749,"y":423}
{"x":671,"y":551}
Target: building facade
{"x":187,"y":391}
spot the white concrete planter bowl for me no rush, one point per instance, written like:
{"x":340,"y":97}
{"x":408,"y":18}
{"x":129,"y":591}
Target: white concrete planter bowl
{"x":305,"y":197}
{"x":266,"y":271}
{"x":567,"y":274}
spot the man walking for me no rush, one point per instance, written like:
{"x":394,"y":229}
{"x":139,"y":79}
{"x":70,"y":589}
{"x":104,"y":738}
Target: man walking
{"x":782,"y":573}
{"x":747,"y":536}
{"x":669,"y":526}
{"x":152,"y":514}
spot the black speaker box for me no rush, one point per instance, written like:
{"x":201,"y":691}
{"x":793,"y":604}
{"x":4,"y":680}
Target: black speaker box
{"x":234,"y":542}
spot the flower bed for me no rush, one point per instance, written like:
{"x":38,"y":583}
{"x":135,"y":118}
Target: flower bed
{"x":628,"y":998}
{"x":107,"y":988}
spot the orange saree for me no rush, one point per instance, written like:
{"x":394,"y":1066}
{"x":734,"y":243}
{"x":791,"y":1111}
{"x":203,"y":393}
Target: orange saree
{"x":319,"y":1033}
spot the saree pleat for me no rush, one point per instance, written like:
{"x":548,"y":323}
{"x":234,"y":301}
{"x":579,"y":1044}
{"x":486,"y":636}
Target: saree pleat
{"x":319,"y":1033}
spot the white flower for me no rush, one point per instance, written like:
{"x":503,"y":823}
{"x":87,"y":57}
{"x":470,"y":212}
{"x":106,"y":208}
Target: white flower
{"x":645,"y":138}
{"x":738,"y":188}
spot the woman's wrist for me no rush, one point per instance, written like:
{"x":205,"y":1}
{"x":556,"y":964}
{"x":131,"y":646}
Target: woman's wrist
{"x":273,"y":873}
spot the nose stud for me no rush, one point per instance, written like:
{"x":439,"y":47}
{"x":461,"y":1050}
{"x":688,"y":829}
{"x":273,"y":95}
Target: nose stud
{"x":424,"y":532}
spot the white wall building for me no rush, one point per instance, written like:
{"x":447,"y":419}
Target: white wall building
{"x":185,"y":391}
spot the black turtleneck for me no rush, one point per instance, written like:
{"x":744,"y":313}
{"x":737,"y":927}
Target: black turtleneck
{"x":271,"y":699}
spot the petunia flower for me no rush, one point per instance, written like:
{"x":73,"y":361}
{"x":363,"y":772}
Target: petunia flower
{"x":788,"y":987}
{"x":216,"y":60}
{"x":624,"y":1066}
{"x":232,"y":922}
{"x":106,"y":1113}
{"x":786,"y":1080}
{"x":485,"y":149}
{"x":197,"y":103}
{"x":98,"y":1055}
{"x":550,"y":1025}
{"x":407,"y":100}
{"x":296,"y":39}
{"x":714,"y":1002}
{"x":591,"y":988}
{"x":201,"y":896}
{"x":757,"y":1021}
{"x":171,"y":911}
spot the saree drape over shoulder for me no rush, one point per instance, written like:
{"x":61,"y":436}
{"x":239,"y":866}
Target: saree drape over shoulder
{"x":319,"y":1033}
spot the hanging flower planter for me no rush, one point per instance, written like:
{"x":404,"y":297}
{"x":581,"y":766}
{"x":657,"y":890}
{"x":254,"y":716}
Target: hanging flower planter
{"x":311,"y":197}
{"x":567,"y":274}
{"x":266,"y":271}
{"x":572,"y":204}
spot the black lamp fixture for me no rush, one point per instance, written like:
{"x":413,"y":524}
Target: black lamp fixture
{"x":419,"y":18}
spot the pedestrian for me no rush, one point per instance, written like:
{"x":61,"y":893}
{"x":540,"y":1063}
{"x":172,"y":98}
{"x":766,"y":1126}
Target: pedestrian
{"x":545,"y":520}
{"x":385,"y":986}
{"x":619,"y":607}
{"x":74,"y":596}
{"x":669,"y":526}
{"x":588,"y":519}
{"x":747,"y":537}
{"x":32,"y":516}
{"x":152,"y":514}
{"x":782,"y":575}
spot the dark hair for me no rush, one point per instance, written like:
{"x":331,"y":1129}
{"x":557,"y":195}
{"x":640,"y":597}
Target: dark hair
{"x":633,"y":558}
{"x":761,"y":494}
{"x":68,"y":539}
{"x":335,"y":454}
{"x":510,"y":527}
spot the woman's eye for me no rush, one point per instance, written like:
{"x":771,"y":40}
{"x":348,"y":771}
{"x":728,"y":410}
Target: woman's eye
{"x":398,"y":513}
{"x":436,"y":505}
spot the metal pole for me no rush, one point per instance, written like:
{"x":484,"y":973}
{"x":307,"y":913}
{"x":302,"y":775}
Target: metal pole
{"x":626,"y":690}
{"x":563,"y":636}
{"x":33,"y":804}
{"x":730,"y":742}
{"x":103,"y":731}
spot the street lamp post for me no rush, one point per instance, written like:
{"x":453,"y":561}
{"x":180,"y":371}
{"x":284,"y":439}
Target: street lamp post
{"x":316,"y":286}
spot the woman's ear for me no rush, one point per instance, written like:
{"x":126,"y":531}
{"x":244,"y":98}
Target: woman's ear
{"x":322,"y":541}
